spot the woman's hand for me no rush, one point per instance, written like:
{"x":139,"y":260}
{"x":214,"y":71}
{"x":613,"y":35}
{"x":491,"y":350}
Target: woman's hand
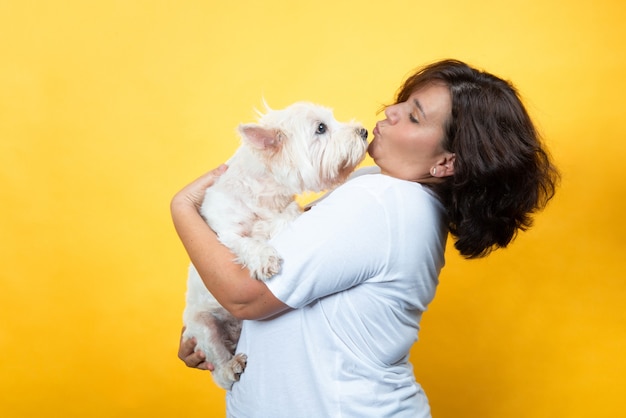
{"x":193,"y":193}
{"x":191,"y":358}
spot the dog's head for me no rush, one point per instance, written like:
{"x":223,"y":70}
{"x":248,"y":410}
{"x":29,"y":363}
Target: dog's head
{"x":304,"y":145}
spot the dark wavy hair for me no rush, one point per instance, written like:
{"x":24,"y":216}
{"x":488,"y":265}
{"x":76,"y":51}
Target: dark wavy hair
{"x":502,"y":172}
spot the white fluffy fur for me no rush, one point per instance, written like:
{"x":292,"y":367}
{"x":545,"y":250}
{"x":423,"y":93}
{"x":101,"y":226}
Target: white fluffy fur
{"x":290,"y":151}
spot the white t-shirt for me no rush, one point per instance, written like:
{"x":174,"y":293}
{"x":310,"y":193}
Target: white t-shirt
{"x":359,"y":268}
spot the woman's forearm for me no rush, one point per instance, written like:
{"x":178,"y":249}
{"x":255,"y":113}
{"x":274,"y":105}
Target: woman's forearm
{"x":228,"y":282}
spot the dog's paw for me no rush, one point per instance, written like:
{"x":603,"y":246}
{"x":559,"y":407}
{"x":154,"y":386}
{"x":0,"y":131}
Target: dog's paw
{"x":271,"y":268}
{"x":237,"y":365}
{"x":266,"y":264}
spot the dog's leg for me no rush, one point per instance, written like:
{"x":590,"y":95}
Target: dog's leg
{"x":212,"y":336}
{"x":215,"y":330}
{"x":257,"y":255}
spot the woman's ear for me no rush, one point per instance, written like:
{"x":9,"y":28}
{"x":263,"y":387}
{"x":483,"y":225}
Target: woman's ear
{"x":445,"y":166}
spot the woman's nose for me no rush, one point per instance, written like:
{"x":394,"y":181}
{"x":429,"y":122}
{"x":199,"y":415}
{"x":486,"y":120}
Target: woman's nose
{"x":391,"y":112}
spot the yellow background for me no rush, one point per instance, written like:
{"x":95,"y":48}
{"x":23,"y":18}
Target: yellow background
{"x":108,"y":107}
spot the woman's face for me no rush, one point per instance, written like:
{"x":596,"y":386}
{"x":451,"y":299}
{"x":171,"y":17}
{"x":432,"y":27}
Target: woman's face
{"x":408,"y":143}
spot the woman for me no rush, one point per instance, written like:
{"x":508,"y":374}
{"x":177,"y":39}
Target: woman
{"x":330,"y":335}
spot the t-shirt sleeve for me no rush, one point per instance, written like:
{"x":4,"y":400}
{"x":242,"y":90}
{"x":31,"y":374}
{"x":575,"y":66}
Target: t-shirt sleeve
{"x":337,"y":244}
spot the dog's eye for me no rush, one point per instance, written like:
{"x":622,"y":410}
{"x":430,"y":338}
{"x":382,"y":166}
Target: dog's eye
{"x":321,"y":129}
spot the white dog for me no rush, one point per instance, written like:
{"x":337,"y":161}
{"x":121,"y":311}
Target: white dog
{"x":290,"y":151}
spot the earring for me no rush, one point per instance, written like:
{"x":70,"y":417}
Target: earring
{"x":433,"y":171}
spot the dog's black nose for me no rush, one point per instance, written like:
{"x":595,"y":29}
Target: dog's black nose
{"x":363,"y":133}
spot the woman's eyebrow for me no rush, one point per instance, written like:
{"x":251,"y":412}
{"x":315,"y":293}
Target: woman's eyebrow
{"x":419,"y":107}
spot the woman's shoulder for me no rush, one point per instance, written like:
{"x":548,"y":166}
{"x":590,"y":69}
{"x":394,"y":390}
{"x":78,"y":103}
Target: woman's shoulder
{"x":368,"y":186}
{"x":371,"y":179}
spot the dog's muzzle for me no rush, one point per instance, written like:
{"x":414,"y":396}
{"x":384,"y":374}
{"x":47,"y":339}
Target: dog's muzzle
{"x":363,"y":133}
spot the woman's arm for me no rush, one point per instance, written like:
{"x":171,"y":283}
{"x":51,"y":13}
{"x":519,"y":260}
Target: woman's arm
{"x":228,"y":282}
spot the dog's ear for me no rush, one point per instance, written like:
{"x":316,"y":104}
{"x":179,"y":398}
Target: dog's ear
{"x":261,"y":138}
